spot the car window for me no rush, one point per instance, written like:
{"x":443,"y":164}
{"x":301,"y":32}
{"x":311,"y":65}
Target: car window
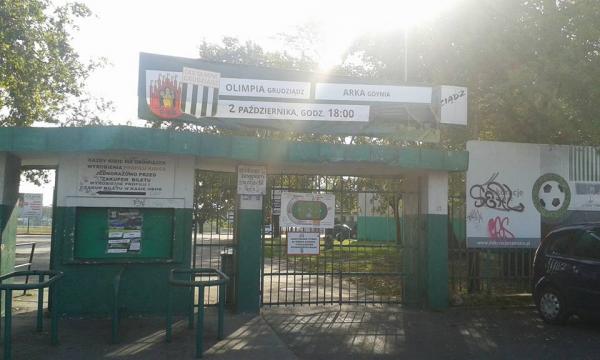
{"x":588,"y":245}
{"x":561,"y":243}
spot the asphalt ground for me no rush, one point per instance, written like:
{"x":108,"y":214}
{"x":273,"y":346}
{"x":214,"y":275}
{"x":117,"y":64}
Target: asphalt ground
{"x":394,"y":332}
{"x":316,"y":332}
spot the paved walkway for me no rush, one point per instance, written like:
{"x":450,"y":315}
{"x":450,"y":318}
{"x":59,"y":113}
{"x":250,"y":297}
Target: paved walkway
{"x":324,"y":332}
{"x":390,"y":332}
{"x":247,"y":337}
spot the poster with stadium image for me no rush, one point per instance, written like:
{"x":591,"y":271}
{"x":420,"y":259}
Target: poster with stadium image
{"x":124,"y":231}
{"x":517,"y":193}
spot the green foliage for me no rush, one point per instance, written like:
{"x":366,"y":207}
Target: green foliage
{"x":232,"y":51}
{"x":532,"y":67}
{"x":39,"y":69}
{"x":214,"y":196}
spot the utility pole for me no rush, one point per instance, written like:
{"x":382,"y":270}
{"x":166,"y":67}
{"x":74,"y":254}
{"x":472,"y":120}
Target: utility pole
{"x":405,"y":53}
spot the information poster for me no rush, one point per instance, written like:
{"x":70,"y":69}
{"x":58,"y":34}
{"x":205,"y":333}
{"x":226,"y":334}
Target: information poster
{"x":124,"y":231}
{"x":306,"y":210}
{"x":300,"y":243}
{"x":252,"y":180}
{"x":276,"y":201}
{"x":108,"y":175}
{"x":33,"y":205}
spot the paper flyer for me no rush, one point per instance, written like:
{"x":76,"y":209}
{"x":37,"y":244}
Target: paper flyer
{"x":124,"y":231}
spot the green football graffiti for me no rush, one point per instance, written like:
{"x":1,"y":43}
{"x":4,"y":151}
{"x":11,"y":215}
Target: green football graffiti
{"x":551,"y":196}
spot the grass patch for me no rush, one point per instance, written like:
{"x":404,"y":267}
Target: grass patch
{"x":348,"y":256}
{"x":34,"y":230}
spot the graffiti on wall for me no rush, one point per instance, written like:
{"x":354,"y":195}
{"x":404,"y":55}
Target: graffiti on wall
{"x":495,"y":195}
{"x":498,"y":229}
{"x":517,"y":193}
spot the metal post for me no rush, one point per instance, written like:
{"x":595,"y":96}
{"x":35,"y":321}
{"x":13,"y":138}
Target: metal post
{"x":7,"y":324}
{"x":340,"y":265}
{"x":405,"y":54}
{"x":200,"y":329}
{"x":40,"y":306}
{"x":1,"y":310}
{"x":195,"y":241}
{"x":29,"y":266}
{"x":53,"y":291}
{"x":115,"y":321}
{"x":222,"y":292}
{"x":191,"y":290}
{"x":169,"y":320}
{"x":28,"y":226}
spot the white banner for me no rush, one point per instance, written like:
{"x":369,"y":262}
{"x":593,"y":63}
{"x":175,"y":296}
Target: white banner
{"x":265,"y":88}
{"x":453,"y":105}
{"x":292,"y":111}
{"x":252,"y":180}
{"x":33,"y":205}
{"x":300,"y":243}
{"x":384,"y":93}
{"x":307,"y":211}
{"x":127,"y":175}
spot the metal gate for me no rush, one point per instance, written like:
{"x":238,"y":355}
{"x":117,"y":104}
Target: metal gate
{"x":213,"y":237}
{"x":360,"y":260}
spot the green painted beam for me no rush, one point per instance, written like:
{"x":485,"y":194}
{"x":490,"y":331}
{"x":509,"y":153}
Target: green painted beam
{"x":237,"y":148}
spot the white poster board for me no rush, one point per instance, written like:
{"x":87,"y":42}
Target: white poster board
{"x":33,"y":205}
{"x":106,"y":175}
{"x":516,"y":193}
{"x":251,"y":202}
{"x":307,"y":211}
{"x":301,"y":243}
{"x":252,"y":180}
{"x":500,"y":211}
{"x":453,"y":105}
{"x":276,"y":201}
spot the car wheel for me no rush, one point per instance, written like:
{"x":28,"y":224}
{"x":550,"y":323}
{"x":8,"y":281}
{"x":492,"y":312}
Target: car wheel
{"x":552,"y":306}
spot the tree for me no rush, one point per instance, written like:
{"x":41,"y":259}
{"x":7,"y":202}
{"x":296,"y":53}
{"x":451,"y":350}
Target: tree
{"x":301,"y":57}
{"x":214,"y":196}
{"x":532,"y":67}
{"x":39,"y":69}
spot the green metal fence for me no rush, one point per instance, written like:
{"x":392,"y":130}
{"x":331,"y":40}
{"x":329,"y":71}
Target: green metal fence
{"x":483,"y":272}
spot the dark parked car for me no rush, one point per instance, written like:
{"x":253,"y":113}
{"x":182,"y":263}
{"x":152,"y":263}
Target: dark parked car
{"x":341,"y":232}
{"x":567,"y":273}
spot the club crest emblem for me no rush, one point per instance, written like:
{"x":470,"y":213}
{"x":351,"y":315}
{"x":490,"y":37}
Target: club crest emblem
{"x":165,"y":97}
{"x":171,"y":95}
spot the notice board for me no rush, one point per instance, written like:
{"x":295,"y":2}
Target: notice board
{"x":149,"y":234}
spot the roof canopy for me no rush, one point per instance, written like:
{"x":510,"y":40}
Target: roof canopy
{"x":42,"y":147}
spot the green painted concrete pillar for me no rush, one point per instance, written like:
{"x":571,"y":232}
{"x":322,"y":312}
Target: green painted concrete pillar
{"x":426,"y":240}
{"x":435,"y":188}
{"x":248,"y":258}
{"x":10,"y":167}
